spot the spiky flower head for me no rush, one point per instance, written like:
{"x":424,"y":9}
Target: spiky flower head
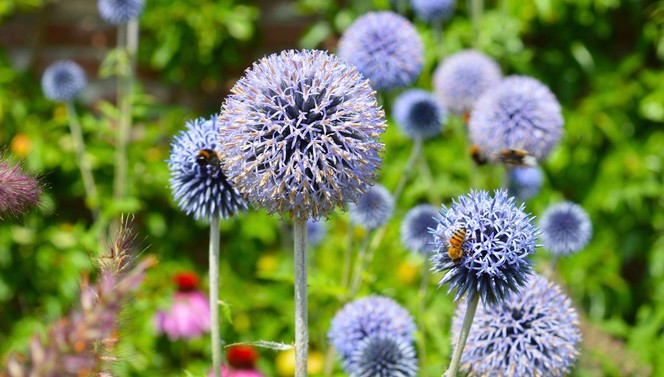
{"x":382,"y":355}
{"x":525,"y":182}
{"x":120,"y":11}
{"x":63,"y":80}
{"x":373,"y":209}
{"x":299,"y":133}
{"x":566,"y":228}
{"x":371,"y":315}
{"x":433,"y":10}
{"x":463,"y":77}
{"x":316,"y":231}
{"x":519,"y":113}
{"x":385,"y":48}
{"x":416,"y":228}
{"x":19,"y":191}
{"x":419,"y":114}
{"x":197,"y":181}
{"x":498,"y":238}
{"x":533,"y":333}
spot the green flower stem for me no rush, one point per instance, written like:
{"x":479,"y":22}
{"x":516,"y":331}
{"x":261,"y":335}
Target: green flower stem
{"x":414,"y":154}
{"x":128,"y":41}
{"x":422,"y":295}
{"x":301,"y":325}
{"x":476,"y":9}
{"x":81,"y":160}
{"x":214,"y":295}
{"x":360,"y":265}
{"x":463,"y":335}
{"x":345,"y":275}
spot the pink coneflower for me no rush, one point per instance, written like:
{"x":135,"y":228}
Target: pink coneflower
{"x":189,"y":315}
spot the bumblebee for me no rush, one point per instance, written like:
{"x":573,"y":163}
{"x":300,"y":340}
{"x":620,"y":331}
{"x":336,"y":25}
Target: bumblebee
{"x":518,"y":157}
{"x":455,"y":251}
{"x":208,"y":157}
{"x":477,"y":155}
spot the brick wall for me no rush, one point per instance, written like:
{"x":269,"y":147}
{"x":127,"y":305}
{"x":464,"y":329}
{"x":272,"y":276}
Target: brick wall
{"x":72,"y":29}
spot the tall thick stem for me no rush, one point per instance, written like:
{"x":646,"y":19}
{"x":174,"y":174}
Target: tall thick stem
{"x":301,"y":322}
{"x":81,"y":160}
{"x":214,"y":295}
{"x":463,"y":336}
{"x":128,"y":42}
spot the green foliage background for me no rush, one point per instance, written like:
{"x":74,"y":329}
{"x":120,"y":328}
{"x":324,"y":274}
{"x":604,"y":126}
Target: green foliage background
{"x":602,"y":59}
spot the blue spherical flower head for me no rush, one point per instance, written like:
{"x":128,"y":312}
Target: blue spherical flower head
{"x":382,"y":355}
{"x":367,"y":316}
{"x":462,"y":78}
{"x":498,"y":238}
{"x":197,"y":181}
{"x":62,"y":81}
{"x":316,"y":231}
{"x":120,"y":11}
{"x":533,"y":333}
{"x":519,"y":113}
{"x":418,"y":114}
{"x":433,"y":10}
{"x":525,"y":182}
{"x":416,"y":228}
{"x":566,"y":228}
{"x":373,"y":209}
{"x":385,"y":48}
{"x":299,"y":133}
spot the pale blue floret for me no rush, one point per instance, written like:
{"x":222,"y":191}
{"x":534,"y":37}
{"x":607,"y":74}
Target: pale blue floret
{"x":499,"y":238}
{"x":532,"y":333}
{"x":120,"y":11}
{"x":201,"y":189}
{"x":63,"y":80}
{"x":373,"y":209}
{"x":463,"y":77}
{"x":519,"y":113}
{"x":525,"y":182}
{"x":382,"y":355}
{"x":299,"y":134}
{"x":419,"y":114}
{"x":566,"y":228}
{"x":367,"y":316}
{"x":433,"y":10}
{"x":385,"y":47}
{"x":416,"y":228}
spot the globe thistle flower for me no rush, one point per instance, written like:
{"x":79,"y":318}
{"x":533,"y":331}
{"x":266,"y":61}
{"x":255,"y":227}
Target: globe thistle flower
{"x":120,"y":11}
{"x":533,"y":333}
{"x":197,"y":181}
{"x":373,"y":209}
{"x":463,"y":77}
{"x":416,"y":228}
{"x":189,"y":315}
{"x":316,"y":231}
{"x":18,"y":189}
{"x":367,"y":316}
{"x":381,"y":355}
{"x":418,"y":114}
{"x":385,"y":48}
{"x":62,"y":81}
{"x":525,"y":182}
{"x":519,"y":113}
{"x":498,"y":238}
{"x":433,"y":10}
{"x":299,"y":133}
{"x":566,"y":228}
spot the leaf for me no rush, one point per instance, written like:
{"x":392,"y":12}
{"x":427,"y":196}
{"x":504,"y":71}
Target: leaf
{"x":276,"y":346}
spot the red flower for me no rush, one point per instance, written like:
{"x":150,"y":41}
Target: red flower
{"x":186,"y":281}
{"x":242,"y":357}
